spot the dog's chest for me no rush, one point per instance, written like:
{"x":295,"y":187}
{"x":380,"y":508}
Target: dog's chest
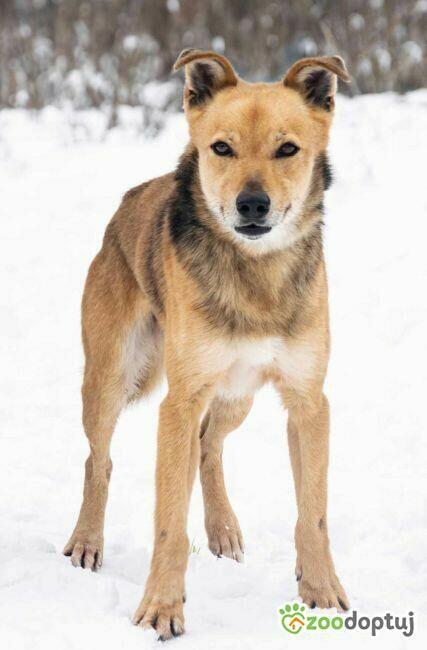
{"x":254,"y":361}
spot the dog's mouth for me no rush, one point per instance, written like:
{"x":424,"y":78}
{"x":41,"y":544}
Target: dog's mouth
{"x":252,"y":230}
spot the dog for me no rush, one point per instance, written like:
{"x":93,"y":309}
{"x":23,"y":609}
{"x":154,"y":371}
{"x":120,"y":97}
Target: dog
{"x":215,"y":275}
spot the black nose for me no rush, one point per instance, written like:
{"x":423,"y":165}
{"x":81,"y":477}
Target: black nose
{"x":253,"y":205}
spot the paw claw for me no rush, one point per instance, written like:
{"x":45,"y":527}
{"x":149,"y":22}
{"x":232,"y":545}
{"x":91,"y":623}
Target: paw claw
{"x":344,"y":606}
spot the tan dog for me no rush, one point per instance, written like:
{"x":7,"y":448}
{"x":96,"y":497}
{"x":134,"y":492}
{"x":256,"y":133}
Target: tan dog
{"x":216,"y":273}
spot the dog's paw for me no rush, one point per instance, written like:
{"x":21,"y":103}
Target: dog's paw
{"x":84,"y":552}
{"x":323,"y":593}
{"x":162,"y":609}
{"x":225,"y":539}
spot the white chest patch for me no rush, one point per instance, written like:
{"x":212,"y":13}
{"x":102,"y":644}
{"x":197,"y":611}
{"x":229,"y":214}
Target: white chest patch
{"x":251,"y":359}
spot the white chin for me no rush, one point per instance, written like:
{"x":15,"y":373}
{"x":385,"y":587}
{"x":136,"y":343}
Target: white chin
{"x":253,"y":235}
{"x":279,"y":237}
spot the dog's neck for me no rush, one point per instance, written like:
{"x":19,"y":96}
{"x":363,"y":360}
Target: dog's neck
{"x":265,"y":290}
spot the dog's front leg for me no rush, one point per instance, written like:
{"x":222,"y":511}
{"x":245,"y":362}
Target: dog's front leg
{"x":162,"y":604}
{"x":308,"y":431}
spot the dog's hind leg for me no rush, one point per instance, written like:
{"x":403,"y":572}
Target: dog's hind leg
{"x":112,"y":310}
{"x":103,"y":398}
{"x":222,"y":526}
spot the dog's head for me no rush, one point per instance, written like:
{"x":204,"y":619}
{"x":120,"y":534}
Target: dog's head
{"x":261,"y":147}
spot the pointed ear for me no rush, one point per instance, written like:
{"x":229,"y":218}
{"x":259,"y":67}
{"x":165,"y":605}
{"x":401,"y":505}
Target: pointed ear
{"x":316,"y":79}
{"x":205,"y":74}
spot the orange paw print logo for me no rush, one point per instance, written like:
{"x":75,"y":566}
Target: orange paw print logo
{"x":293,"y":619}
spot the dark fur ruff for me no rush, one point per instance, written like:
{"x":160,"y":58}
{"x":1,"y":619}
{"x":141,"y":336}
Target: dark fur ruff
{"x":255,"y":307}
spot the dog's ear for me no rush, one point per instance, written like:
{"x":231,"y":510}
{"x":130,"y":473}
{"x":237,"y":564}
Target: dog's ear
{"x":205,"y":74}
{"x":316,"y":79}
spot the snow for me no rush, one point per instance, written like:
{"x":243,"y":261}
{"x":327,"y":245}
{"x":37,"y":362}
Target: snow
{"x":61,"y":179}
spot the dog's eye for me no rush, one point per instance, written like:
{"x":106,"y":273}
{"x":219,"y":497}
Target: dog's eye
{"x":287,"y":149}
{"x":221,"y":148}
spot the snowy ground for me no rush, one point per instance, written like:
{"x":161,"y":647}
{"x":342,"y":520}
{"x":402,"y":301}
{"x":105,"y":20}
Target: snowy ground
{"x":59,"y":186}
